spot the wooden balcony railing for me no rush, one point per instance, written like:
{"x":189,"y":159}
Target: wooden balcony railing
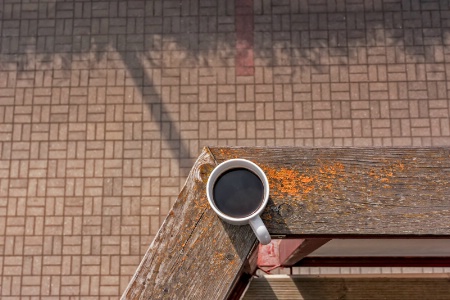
{"x":320,"y":193}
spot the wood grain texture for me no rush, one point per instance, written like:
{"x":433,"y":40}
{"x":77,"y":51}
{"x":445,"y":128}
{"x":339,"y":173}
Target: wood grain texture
{"x":411,"y":287}
{"x":353,"y":192}
{"x":194,"y":255}
{"x":323,"y":193}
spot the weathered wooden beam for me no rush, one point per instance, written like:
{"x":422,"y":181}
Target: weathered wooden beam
{"x":194,"y":255}
{"x":322,"y":193}
{"x":402,"y":286}
{"x":353,"y":192}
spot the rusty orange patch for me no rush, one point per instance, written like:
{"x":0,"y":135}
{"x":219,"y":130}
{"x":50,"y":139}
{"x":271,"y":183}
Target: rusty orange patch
{"x":306,"y":179}
{"x":285,"y":181}
{"x":282,"y":181}
{"x":332,"y":169}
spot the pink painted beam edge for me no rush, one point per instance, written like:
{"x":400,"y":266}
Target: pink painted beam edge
{"x":287,"y":247}
{"x":295,"y":250}
{"x":268,"y":255}
{"x":287,"y":252}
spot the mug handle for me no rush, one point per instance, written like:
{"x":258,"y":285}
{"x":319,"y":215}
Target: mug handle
{"x":260,"y":230}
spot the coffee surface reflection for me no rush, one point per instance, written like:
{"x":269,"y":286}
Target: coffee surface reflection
{"x":238,"y":192}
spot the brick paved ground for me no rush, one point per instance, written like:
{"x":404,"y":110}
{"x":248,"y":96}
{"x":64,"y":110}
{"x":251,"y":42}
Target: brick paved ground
{"x":105,"y":104}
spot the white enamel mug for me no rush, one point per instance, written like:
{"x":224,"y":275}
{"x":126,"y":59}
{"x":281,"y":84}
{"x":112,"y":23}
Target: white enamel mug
{"x":254,"y":218}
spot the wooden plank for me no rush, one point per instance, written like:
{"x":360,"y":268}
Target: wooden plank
{"x":411,"y":287}
{"x":315,"y":193}
{"x":194,"y":255}
{"x":290,"y":253}
{"x":374,"y":261}
{"x":385,"y":247}
{"x":353,"y":192}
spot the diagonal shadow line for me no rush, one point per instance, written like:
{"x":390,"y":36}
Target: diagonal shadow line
{"x":133,"y":64}
{"x":142,"y":81}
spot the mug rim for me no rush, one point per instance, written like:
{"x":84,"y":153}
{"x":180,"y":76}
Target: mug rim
{"x":232,"y":164}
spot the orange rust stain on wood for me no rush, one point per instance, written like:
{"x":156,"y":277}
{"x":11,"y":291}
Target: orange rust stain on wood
{"x":385,"y":174}
{"x":306,"y":179}
{"x":219,"y":256}
{"x":285,"y":181}
{"x":228,"y":153}
{"x":282,"y":181}
{"x":205,"y":170}
{"x":308,"y":189}
{"x":308,"y":183}
{"x":332,"y":169}
{"x":267,"y":217}
{"x":201,"y":205}
{"x":329,"y":174}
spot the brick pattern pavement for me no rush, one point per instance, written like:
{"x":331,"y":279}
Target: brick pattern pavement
{"x":104,"y":105}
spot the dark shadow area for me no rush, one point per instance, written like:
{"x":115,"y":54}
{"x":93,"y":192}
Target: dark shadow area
{"x":239,"y":236}
{"x":302,"y":41}
{"x":243,"y":238}
{"x":277,"y":213}
{"x":155,"y":105}
{"x":244,"y":243}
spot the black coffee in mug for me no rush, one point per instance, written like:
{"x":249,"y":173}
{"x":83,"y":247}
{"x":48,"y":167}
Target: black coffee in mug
{"x":238,"y":192}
